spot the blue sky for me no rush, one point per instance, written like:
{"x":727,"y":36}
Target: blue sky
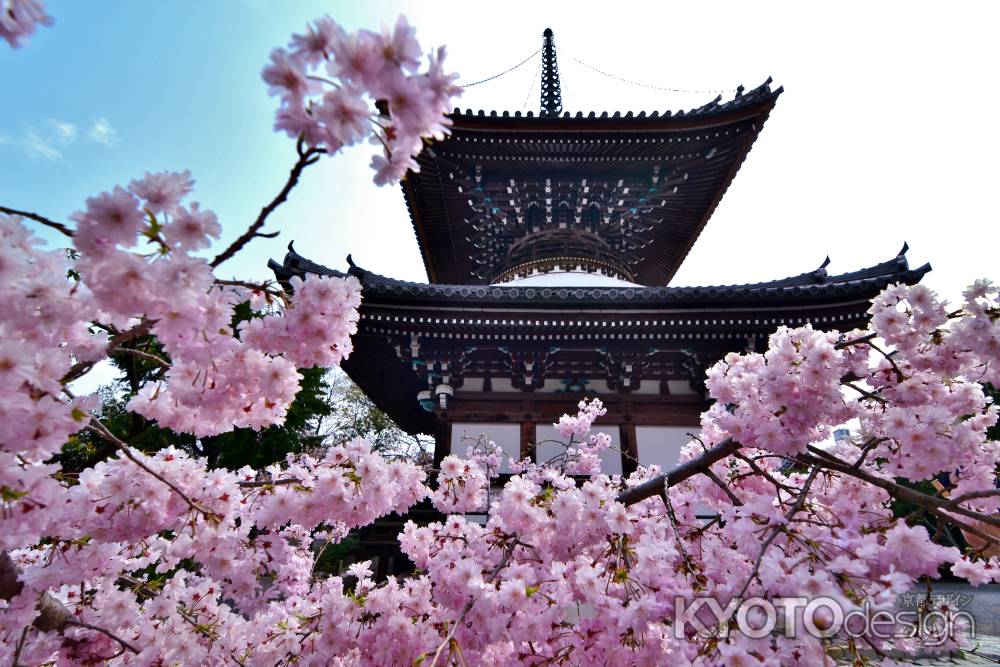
{"x":887,"y":130}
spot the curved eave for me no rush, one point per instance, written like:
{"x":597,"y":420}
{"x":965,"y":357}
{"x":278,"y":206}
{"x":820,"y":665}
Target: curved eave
{"x":755,"y":104}
{"x":810,"y":288}
{"x":706,"y":116}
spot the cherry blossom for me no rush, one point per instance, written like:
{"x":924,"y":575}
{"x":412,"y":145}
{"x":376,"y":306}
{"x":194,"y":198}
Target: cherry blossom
{"x":153,"y":558}
{"x":18,"y":19}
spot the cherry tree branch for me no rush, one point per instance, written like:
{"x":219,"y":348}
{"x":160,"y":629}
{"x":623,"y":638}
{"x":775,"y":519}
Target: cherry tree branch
{"x":898,"y":491}
{"x":306,"y":158}
{"x":53,"y":616}
{"x":257,"y":484}
{"x":141,"y":355}
{"x":264,"y":287}
{"x":97,"y":427}
{"x":494,"y":573}
{"x":654,"y":486}
{"x":725,"y":487}
{"x":124,"y":644}
{"x":81,"y":368}
{"x":800,"y":501}
{"x":58,"y":226}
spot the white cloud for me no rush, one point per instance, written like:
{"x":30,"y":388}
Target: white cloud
{"x":43,"y":142}
{"x":103,"y":132}
{"x":36,"y":145}
{"x":65,"y":131}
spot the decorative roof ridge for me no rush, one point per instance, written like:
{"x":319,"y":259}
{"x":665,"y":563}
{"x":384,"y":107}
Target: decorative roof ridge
{"x":812,"y":283}
{"x":740,"y":100}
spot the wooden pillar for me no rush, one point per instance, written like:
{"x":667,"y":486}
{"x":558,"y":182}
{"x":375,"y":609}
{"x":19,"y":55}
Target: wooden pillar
{"x":528,"y":440}
{"x":442,"y":441}
{"x":630,"y":448}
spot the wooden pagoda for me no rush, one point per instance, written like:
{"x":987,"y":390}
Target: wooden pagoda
{"x":549,"y":242}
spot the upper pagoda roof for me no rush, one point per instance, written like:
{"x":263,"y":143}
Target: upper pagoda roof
{"x":507,"y":194}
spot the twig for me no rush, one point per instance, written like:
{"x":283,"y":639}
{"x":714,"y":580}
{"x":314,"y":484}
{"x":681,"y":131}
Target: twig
{"x":306,"y":158}
{"x":142,"y":355}
{"x":866,"y":449}
{"x":799,"y":502}
{"x":855,"y":341}
{"x":256,"y":484}
{"x":866,"y":394}
{"x":779,"y":486}
{"x":97,"y":427}
{"x":58,"y":226}
{"x":124,"y":644}
{"x":81,"y":368}
{"x":504,"y":561}
{"x":256,"y":287}
{"x":20,"y":647}
{"x":725,"y":487}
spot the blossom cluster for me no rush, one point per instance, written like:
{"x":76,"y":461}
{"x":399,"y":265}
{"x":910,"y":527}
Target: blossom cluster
{"x":18,"y":19}
{"x":153,"y":558}
{"x":330,"y":81}
{"x":461,"y":486}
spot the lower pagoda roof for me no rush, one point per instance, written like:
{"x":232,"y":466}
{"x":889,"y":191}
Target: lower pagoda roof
{"x":413,"y":337}
{"x":813,"y":286}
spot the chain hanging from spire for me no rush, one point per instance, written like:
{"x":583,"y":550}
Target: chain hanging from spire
{"x":551,"y":94}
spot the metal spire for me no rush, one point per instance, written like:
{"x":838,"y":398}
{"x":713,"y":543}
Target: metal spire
{"x":551,"y":94}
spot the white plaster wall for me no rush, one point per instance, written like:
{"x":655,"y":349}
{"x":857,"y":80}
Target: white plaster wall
{"x":506,"y":436}
{"x":661,"y":445}
{"x":570,"y":279}
{"x":611,"y":459}
{"x":680,"y":388}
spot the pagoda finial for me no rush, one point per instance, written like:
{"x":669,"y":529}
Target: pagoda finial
{"x":551,"y":94}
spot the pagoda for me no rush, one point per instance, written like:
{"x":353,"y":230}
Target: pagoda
{"x":549,"y":242}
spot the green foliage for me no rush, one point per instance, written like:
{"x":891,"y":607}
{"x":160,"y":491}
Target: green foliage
{"x":354,"y":415}
{"x":333,"y":554}
{"x":258,"y":449}
{"x":329,"y":409}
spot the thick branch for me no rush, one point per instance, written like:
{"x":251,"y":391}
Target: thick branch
{"x":306,"y":158}
{"x":52,"y":614}
{"x":652,"y":487}
{"x":58,"y":226}
{"x":898,"y":491}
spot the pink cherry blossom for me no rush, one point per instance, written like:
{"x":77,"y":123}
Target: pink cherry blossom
{"x":18,"y":19}
{"x":163,"y":191}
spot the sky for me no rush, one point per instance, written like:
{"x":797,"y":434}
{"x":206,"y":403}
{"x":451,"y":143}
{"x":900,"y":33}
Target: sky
{"x":887,"y":131}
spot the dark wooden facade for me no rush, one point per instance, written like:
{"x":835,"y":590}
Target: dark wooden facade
{"x":626,"y":195}
{"x":432,"y":355}
{"x":493,"y":345}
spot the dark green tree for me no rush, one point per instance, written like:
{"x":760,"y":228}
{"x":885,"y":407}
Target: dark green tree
{"x":231,"y":450}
